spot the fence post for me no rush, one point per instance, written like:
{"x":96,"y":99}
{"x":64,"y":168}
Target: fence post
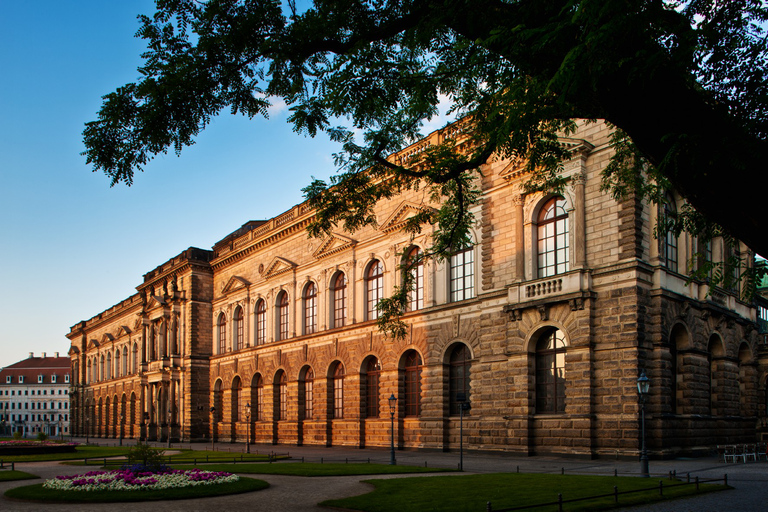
{"x":661,"y":488}
{"x":615,"y":494}
{"x":488,"y":507}
{"x":697,"y":483}
{"x":559,"y":502}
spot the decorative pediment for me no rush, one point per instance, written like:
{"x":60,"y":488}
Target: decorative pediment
{"x":402,"y":213}
{"x":514,"y":169}
{"x":137,"y":324}
{"x":154,"y":301}
{"x":93,"y":344}
{"x":278,"y":266}
{"x":73,"y":350}
{"x":234,"y":284}
{"x":106,"y":338}
{"x":332,"y":245}
{"x":123,"y":329}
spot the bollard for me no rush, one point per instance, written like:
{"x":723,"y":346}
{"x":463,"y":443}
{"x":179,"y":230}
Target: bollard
{"x":346,"y":460}
{"x":518,"y":469}
{"x":562,"y":471}
{"x":425,"y":463}
{"x":369,"y":460}
{"x":615,"y":494}
{"x":697,"y":483}
{"x":615,"y":472}
{"x":725,"y":479}
{"x":559,"y":502}
{"x":661,"y":488}
{"x":674,"y":473}
{"x":488,"y":507}
{"x":302,"y":460}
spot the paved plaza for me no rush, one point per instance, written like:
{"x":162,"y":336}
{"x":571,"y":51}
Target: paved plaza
{"x":288,"y":493}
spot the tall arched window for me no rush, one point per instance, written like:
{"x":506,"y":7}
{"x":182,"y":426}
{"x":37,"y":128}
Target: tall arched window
{"x":552,"y":238}
{"x":458,"y":377}
{"x":310,"y":308}
{"x":108,"y":367}
{"x":101,"y":369}
{"x":412,"y":391}
{"x":550,"y":372}
{"x":339,"y":300}
{"x":282,"y":316}
{"x":669,"y":245}
{"x":307,"y":396}
{"x":257,"y":397}
{"x":135,"y":368}
{"x":237,"y":388}
{"x":126,"y":370}
{"x":88,"y":372}
{"x":338,"y":392}
{"x":372,"y":369}
{"x":117,"y":363}
{"x":281,"y":396}
{"x":374,"y":289}
{"x":416,"y":294}
{"x":237,"y":320}
{"x":221,"y":332}
{"x":463,"y":274}
{"x":261,"y":322}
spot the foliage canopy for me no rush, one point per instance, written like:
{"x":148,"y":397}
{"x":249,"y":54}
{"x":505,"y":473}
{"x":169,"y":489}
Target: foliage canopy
{"x":683,"y":81}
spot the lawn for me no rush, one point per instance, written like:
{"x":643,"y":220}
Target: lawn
{"x":185,"y":457}
{"x":314,"y":469}
{"x":504,"y":490}
{"x":39,"y":494}
{"x":80,"y":452}
{"x":8,"y":475}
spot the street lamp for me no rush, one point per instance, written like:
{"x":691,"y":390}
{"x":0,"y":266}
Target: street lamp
{"x":392,"y":403}
{"x":170,"y":417}
{"x":122,"y":419}
{"x":86,"y":429}
{"x":643,"y":384}
{"x":248,"y":427}
{"x":213,"y":429}
{"x":461,"y":398}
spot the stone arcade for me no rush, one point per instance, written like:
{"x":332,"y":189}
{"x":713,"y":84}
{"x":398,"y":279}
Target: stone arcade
{"x":544,"y":323}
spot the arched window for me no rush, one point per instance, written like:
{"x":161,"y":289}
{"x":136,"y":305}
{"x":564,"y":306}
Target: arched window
{"x":221,"y":330}
{"x":257,"y":397}
{"x":88,"y":372}
{"x":126,"y":370}
{"x":282,"y":316}
{"x":237,"y":320}
{"x":310,"y":308}
{"x":237,"y":388}
{"x":463,"y":274}
{"x":550,"y":372}
{"x":374,"y":289}
{"x":412,"y":391}
{"x":458,"y":377}
{"x":101,"y":369}
{"x":307,"y":394}
{"x":552,"y":238}
{"x":669,"y":245}
{"x":281,"y":396}
{"x":108,"y":367}
{"x":117,"y":363}
{"x":135,"y":368}
{"x":337,"y":390}
{"x":261,"y":322}
{"x":372,"y":369}
{"x":339,"y":300}
{"x":416,"y":294}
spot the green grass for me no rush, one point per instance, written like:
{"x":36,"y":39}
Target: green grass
{"x":471,"y":492}
{"x":79,"y":453}
{"x":38,"y":494}
{"x":314,"y":469}
{"x":185,"y":457}
{"x":8,"y":475}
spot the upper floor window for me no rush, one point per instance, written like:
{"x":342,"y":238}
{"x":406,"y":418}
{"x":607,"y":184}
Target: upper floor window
{"x":463,"y":274}
{"x":310,"y":308}
{"x":221,"y":330}
{"x":669,"y":245}
{"x":117,"y":362}
{"x":237,"y":319}
{"x":7,"y":379}
{"x":39,"y":379}
{"x":339,"y":300}
{"x":374,"y":286}
{"x":552,"y":238}
{"x":282,"y":316}
{"x":416,"y":270}
{"x":261,"y":322}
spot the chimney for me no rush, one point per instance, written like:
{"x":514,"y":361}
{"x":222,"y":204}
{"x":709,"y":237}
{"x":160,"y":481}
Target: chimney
{"x":31,"y":355}
{"x":43,"y":356}
{"x":55,"y":354}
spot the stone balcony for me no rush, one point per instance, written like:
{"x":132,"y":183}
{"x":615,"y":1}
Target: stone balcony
{"x":571,"y":287}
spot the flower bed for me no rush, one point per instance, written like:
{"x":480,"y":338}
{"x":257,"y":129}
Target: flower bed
{"x":129,"y":479}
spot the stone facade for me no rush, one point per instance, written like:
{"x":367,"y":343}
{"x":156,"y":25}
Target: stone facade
{"x":544,"y":325}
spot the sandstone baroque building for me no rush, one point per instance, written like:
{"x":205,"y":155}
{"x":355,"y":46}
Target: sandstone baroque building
{"x":544,"y":324}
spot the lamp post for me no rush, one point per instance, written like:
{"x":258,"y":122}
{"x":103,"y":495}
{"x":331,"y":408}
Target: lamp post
{"x":213,"y":429}
{"x":86,"y":429}
{"x":122,"y":419}
{"x":461,"y":398}
{"x":392,"y":403}
{"x":170,"y":416}
{"x":643,"y":384}
{"x":248,"y":427}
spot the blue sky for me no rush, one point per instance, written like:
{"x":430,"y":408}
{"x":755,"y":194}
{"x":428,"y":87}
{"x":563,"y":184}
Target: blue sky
{"x":71,"y":245}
